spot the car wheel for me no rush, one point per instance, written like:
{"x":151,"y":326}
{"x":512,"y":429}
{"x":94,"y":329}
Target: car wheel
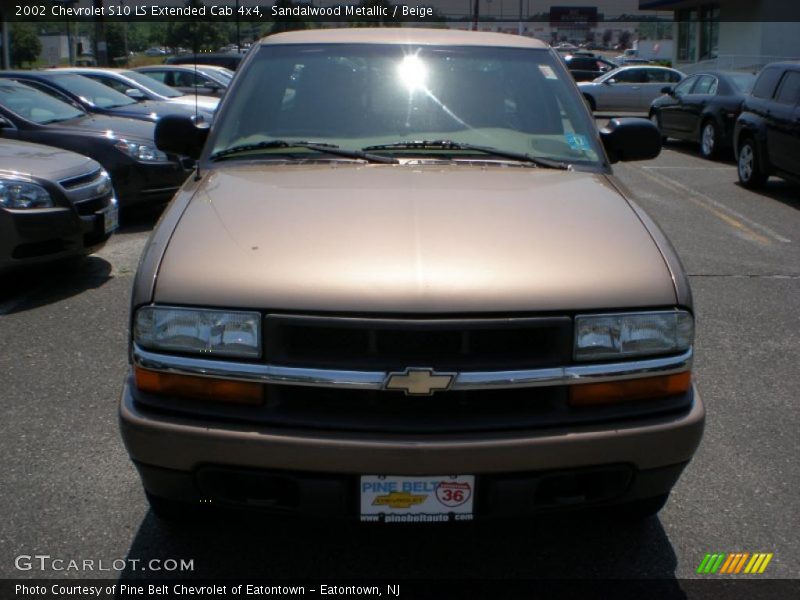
{"x":750,"y":173}
{"x":590,"y":101}
{"x":657,"y":122}
{"x":709,"y":140}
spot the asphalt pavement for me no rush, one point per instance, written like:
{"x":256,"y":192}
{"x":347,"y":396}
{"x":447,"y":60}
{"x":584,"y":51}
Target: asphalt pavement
{"x":68,"y":489}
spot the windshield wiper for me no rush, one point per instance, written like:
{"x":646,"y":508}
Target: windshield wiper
{"x":539,"y":161}
{"x":316,"y":146}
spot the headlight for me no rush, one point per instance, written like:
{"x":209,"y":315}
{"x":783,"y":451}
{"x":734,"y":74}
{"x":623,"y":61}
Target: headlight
{"x":105,"y":185}
{"x":143,"y":152}
{"x":625,"y":335}
{"x":18,"y":194}
{"x":213,"y":332}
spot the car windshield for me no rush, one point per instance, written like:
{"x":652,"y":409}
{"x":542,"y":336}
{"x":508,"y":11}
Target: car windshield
{"x":215,"y":74}
{"x":152,"y":84}
{"x":33,"y":105}
{"x":218,"y":72}
{"x":743,"y":82}
{"x":361,"y":96}
{"x":93,"y":92}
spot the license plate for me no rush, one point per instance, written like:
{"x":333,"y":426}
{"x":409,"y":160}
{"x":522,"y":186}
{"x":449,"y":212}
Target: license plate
{"x":110,"y":218}
{"x":396,"y":499}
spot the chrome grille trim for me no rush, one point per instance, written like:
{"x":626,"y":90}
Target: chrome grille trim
{"x":374,"y":380}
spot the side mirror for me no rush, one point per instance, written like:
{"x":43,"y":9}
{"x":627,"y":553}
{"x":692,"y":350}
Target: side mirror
{"x":631,"y":139}
{"x":135,"y":94}
{"x":178,"y":134}
{"x":610,"y":81}
{"x":5,"y":123}
{"x":667,"y":89}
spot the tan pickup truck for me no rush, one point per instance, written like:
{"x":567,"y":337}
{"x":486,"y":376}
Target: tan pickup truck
{"x":404,"y":286}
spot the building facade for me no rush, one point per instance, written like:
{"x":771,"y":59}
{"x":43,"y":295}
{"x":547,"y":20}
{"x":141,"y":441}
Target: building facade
{"x":731,"y":34}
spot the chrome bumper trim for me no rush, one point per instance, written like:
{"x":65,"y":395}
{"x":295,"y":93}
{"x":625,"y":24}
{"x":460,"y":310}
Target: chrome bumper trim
{"x":375,"y":380}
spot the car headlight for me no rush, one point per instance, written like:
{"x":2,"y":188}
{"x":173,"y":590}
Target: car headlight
{"x":199,"y":331}
{"x":142,"y":152}
{"x":19,"y":194}
{"x":626,"y":335}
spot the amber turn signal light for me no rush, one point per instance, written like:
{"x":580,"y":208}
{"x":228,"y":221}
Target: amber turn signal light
{"x":199,"y":388}
{"x":646,"y":388}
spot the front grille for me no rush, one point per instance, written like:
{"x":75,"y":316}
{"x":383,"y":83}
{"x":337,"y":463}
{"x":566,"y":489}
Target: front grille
{"x":453,"y":411}
{"x":394,"y":344}
{"x":81,"y":180}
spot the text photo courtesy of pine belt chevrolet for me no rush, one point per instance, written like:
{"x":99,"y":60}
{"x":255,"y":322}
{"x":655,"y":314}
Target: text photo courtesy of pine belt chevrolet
{"x":405,"y":286}
{"x":124,"y":147}
{"x":53,"y":204}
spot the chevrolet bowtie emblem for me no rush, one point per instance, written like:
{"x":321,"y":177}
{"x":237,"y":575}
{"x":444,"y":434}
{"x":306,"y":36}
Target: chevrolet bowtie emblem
{"x":419,"y":382}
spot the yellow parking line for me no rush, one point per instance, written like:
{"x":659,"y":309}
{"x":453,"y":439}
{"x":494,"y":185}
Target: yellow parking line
{"x":710,"y":205}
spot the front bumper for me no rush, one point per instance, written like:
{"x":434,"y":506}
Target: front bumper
{"x":37,"y":236}
{"x":140,"y":183}
{"x":174,"y":453}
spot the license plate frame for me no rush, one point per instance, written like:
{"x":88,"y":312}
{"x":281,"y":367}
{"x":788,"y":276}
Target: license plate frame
{"x":416,"y":499}
{"x":110,"y":218}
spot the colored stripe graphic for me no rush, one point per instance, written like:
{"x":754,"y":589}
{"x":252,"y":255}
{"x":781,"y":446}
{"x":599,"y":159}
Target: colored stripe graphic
{"x":767,"y":558}
{"x":711,"y":563}
{"x":734,"y":563}
{"x":704,"y":563}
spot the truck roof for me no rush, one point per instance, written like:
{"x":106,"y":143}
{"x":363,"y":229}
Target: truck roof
{"x":409,"y":35}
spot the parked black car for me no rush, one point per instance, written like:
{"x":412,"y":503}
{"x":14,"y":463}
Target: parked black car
{"x":94,"y":97}
{"x":54,"y":204}
{"x":125,"y":147}
{"x":767,"y":133}
{"x":229,"y":60}
{"x":703,"y":108}
{"x":585,"y":67}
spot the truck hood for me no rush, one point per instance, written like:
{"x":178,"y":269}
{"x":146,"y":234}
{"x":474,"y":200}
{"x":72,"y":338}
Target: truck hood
{"x":408,"y":239}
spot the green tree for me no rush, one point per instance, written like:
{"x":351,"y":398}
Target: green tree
{"x":196,"y":35}
{"x":25,"y":44}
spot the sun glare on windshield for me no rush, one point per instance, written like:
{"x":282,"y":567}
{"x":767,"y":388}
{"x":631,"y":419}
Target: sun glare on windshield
{"x":413,"y":73}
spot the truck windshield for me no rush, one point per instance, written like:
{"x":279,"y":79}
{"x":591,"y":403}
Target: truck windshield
{"x":371,"y":95}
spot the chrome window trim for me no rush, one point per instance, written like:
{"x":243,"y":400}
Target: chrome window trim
{"x":374,"y":380}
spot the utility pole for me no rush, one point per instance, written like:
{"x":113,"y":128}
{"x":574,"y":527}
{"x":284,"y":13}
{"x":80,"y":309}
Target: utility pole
{"x":100,"y":45}
{"x":5,"y":39}
{"x":238,"y":31}
{"x":476,"y":14}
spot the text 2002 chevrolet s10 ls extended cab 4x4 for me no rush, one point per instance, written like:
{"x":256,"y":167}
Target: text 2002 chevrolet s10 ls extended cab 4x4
{"x":405,"y":286}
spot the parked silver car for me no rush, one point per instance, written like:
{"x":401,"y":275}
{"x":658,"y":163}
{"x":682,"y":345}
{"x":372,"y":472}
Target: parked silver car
{"x":142,"y":87}
{"x":204,"y":80}
{"x":628,"y":89}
